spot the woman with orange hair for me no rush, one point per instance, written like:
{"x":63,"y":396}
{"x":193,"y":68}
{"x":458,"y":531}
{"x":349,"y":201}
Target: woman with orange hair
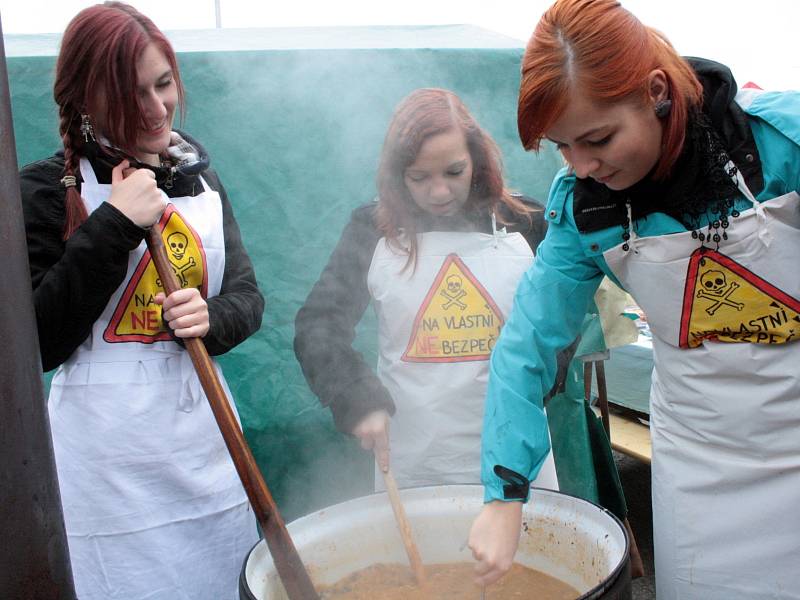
{"x":439,"y":255}
{"x":683,"y":191}
{"x":152,"y":503}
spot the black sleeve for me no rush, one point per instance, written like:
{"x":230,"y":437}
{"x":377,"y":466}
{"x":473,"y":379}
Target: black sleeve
{"x":235,"y":314}
{"x":325,"y":329}
{"x":72,"y":280}
{"x":534,"y":230}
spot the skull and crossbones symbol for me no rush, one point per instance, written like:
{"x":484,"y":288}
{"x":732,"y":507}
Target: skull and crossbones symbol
{"x":454,"y":292}
{"x":178,"y":243}
{"x":714,"y":286}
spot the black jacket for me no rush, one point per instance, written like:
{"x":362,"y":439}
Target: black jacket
{"x":74,"y":280}
{"x":325,"y":325}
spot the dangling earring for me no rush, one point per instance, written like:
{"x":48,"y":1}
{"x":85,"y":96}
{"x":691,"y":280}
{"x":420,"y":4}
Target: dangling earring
{"x":663,"y":107}
{"x":86,"y":128}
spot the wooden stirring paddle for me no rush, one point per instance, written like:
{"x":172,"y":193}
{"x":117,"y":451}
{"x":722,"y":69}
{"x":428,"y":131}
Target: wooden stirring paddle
{"x":290,"y":568}
{"x":404,"y":526}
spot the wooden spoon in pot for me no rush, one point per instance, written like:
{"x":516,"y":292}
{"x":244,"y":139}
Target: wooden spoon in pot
{"x":404,"y":526}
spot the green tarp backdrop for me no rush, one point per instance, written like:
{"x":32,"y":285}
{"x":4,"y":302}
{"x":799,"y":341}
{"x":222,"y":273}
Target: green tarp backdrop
{"x":294,"y":120}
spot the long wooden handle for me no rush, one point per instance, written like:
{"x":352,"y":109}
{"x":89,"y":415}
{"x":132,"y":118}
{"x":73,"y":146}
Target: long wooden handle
{"x":405,"y":528}
{"x":290,"y":568}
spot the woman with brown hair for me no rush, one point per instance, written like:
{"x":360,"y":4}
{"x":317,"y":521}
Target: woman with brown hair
{"x":439,"y":255}
{"x":684,"y":193}
{"x":152,"y":504}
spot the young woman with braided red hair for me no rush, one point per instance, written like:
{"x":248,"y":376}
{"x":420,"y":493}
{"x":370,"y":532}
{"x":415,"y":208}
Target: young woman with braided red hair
{"x":682,"y":191}
{"x":152,"y":504}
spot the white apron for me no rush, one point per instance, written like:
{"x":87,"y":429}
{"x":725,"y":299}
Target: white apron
{"x":152,"y":503}
{"x":725,"y":403}
{"x":437,"y":325}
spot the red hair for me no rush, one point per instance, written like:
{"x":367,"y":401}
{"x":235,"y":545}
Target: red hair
{"x":598,"y":48}
{"x":99,"y":51}
{"x":424,"y":113}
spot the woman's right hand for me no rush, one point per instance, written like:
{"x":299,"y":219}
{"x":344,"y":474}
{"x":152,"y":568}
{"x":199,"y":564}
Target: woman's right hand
{"x":135,"y":194}
{"x":373,"y":433}
{"x":494,"y":538}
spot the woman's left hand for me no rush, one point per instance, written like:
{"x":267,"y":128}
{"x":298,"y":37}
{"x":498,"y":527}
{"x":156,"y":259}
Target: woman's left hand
{"x":185,"y":311}
{"x":494,"y":538}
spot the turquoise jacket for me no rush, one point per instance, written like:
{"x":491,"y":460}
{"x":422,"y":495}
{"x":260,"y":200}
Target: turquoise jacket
{"x":553,"y":296}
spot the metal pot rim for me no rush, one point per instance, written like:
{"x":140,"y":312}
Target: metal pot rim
{"x":593,"y":593}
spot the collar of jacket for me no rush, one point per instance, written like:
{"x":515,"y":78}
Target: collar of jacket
{"x":595,"y":207}
{"x":177,"y":180}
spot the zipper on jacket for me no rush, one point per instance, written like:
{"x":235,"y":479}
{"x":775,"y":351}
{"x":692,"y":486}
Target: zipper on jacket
{"x":170,"y":178}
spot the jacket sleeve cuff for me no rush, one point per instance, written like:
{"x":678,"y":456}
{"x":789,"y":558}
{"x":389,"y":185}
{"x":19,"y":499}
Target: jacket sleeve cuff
{"x":363,"y":398}
{"x":506,"y":485}
{"x":129,"y":234}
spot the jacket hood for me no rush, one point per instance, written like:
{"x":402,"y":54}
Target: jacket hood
{"x":182,"y":161}
{"x":719,"y":105}
{"x":596,"y":207}
{"x":186,"y":154}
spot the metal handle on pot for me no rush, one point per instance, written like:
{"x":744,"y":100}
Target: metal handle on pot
{"x":290,"y":568}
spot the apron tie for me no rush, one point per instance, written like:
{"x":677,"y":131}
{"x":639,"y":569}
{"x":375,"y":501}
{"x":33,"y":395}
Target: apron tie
{"x":764,"y":234}
{"x":494,"y":230}
{"x":191,"y":389}
{"x":629,"y":231}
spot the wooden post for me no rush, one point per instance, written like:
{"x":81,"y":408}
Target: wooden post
{"x":34,"y":560}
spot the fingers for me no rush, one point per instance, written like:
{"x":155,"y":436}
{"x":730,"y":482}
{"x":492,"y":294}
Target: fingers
{"x":493,"y":540}
{"x":124,"y":170}
{"x":487,"y":573}
{"x":135,"y":194}
{"x":118,"y":172}
{"x":145,"y":175}
{"x":197,"y":330}
{"x":487,"y":570}
{"x":186,"y":312}
{"x":373,"y":433}
{"x":178,"y":298}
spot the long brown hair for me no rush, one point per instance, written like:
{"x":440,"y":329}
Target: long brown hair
{"x":99,"y":50}
{"x":424,"y":113}
{"x":599,"y":48}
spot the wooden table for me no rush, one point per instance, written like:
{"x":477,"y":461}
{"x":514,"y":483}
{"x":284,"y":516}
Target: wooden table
{"x":630,"y":436}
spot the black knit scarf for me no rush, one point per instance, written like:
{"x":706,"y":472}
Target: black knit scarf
{"x":699,"y":186}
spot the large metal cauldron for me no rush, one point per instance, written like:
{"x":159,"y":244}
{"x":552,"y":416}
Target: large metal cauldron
{"x":568,"y":538}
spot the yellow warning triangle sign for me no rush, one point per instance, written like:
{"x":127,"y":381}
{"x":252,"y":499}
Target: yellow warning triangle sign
{"x":458,"y":320}
{"x":724,"y":301}
{"x":137,"y":317}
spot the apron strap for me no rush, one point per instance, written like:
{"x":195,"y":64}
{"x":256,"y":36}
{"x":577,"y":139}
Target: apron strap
{"x":87,"y":173}
{"x":764,"y":234}
{"x":633,"y":240}
{"x":206,"y":187}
